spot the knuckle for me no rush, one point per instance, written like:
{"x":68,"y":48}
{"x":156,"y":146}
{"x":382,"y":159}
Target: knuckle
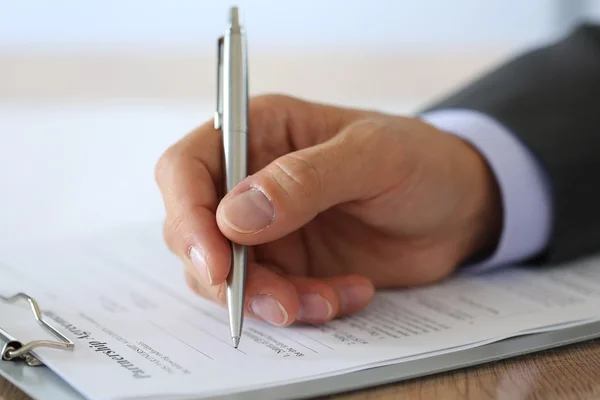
{"x":166,"y":164}
{"x":268,"y":119}
{"x":169,"y":235}
{"x":173,"y":228}
{"x":267,"y":109}
{"x":297,"y":176}
{"x":221,"y":293}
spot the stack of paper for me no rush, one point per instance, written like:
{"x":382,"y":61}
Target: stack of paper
{"x":140,"y":332}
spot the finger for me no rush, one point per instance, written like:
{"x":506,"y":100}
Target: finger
{"x":322,"y":300}
{"x":196,"y":239}
{"x":363,"y":161}
{"x":188,"y":186}
{"x":318,"y":301}
{"x":283,"y":299}
{"x":269,"y":296}
{"x":355,"y":292}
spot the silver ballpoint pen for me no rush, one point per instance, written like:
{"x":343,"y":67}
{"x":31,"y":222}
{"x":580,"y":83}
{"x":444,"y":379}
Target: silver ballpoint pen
{"x":232,"y":118}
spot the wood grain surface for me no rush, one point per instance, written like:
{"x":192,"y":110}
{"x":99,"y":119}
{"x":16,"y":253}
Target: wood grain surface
{"x":569,"y":373}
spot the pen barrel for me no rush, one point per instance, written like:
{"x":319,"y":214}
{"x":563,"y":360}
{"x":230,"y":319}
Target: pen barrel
{"x":235,"y":82}
{"x":235,"y":106}
{"x":234,"y":125}
{"x":236,"y":158}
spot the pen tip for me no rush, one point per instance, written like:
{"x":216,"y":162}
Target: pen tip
{"x":236,"y":341}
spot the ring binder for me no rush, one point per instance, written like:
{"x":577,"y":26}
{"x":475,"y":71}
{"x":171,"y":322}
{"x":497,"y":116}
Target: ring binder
{"x":15,"y":350}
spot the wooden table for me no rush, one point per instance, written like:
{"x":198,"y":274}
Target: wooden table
{"x":569,"y":373}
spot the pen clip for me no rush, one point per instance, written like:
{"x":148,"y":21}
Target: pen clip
{"x":219,"y":112}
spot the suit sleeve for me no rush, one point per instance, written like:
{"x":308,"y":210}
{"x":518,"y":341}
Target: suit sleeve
{"x":550,"y":99}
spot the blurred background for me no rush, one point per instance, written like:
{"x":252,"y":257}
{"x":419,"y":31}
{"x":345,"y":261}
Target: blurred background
{"x":92,"y":92}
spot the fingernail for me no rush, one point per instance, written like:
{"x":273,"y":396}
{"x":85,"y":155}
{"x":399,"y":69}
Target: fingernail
{"x":199,"y":262}
{"x":314,"y":307}
{"x":355,"y":296}
{"x":268,"y":309}
{"x":248,"y":212}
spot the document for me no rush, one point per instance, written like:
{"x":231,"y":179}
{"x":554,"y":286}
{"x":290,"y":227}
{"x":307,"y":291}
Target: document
{"x":139,"y":332}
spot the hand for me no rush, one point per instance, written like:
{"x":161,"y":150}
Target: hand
{"x":339,"y":202}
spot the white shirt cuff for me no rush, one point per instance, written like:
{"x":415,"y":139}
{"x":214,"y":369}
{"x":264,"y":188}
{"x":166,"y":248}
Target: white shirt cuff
{"x":526,"y":200}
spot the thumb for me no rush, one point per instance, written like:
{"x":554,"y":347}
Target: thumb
{"x":362,"y":161}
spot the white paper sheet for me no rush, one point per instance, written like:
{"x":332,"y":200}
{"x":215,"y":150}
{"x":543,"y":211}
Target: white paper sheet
{"x":140,"y":332}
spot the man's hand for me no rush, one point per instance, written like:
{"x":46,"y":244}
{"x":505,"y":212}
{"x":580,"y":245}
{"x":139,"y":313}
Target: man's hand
{"x":339,"y":202}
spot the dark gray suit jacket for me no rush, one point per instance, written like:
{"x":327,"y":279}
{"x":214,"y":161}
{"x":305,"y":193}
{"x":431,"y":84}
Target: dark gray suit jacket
{"x":550,"y":99}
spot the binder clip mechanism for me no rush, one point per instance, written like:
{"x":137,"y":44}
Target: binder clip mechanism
{"x":14,"y":350}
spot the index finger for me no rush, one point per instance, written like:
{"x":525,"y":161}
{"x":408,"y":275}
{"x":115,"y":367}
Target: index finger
{"x":188,"y":176}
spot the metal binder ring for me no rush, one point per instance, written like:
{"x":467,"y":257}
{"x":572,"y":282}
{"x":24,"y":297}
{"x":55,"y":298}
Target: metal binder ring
{"x":16,"y":350}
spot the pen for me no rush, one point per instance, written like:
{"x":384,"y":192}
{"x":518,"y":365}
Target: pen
{"x":232,"y":118}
